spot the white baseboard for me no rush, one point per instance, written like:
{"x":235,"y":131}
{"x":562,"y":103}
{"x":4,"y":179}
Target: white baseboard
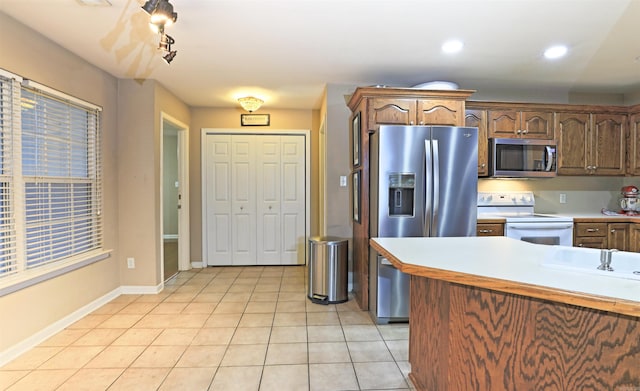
{"x":16,"y":350}
{"x":197,"y":265}
{"x":54,"y":328}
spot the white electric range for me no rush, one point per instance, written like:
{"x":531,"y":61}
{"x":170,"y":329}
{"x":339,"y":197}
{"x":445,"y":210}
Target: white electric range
{"x":517,"y":208}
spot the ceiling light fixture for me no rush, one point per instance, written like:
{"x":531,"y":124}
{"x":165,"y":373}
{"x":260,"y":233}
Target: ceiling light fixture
{"x":161,"y":15}
{"x":250,"y":103}
{"x":452,"y":46}
{"x":555,"y":52}
{"x":170,"y":56}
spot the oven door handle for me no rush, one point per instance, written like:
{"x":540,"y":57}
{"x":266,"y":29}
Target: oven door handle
{"x":549,"y":226}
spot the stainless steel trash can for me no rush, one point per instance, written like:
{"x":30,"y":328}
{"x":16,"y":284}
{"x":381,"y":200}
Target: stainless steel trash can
{"x":328,"y":270}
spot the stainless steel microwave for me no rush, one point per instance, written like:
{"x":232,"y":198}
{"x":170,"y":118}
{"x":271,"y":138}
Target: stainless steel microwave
{"x":522,"y":158}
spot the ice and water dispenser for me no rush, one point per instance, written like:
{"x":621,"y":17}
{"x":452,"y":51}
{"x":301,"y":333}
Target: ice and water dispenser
{"x":401,"y":194}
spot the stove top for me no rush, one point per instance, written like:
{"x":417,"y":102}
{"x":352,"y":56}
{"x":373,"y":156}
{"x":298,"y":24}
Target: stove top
{"x":516,"y":206}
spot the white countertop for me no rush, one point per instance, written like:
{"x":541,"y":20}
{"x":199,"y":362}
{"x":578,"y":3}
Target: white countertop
{"x":507,"y":259}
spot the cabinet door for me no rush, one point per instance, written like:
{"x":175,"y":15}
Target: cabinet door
{"x":618,"y":236}
{"x":490,"y":229}
{"x":634,"y":146}
{"x":478,"y":119}
{"x":393,"y":112}
{"x":591,"y":242}
{"x":608,"y":148}
{"x":572,"y":130}
{"x":503,"y":123}
{"x":439,"y":112}
{"x":537,"y":124}
{"x":634,"y":238}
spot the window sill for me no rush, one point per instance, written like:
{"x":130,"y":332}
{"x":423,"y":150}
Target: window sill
{"x":29,"y":278}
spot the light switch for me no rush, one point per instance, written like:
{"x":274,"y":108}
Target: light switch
{"x":343,"y":181}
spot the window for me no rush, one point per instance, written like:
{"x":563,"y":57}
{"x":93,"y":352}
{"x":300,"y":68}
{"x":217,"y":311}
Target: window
{"x":50,"y":185}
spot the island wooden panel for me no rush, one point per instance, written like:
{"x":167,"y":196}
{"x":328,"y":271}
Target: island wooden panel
{"x":469,"y":338}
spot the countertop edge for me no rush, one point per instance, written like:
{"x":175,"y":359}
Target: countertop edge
{"x":615,"y":305}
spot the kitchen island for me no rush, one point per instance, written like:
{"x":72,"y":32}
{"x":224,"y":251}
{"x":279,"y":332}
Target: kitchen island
{"x":485,"y":315}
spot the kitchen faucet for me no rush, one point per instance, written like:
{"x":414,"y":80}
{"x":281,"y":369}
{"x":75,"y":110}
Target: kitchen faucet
{"x":605,"y":259}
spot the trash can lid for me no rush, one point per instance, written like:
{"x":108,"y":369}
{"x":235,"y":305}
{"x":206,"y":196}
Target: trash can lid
{"x":327,"y":239}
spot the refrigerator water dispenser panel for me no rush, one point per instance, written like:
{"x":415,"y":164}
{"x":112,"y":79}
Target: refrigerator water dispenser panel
{"x":401,"y":194}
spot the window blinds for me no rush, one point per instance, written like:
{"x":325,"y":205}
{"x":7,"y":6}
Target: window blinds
{"x":60,"y":177}
{"x":9,"y":127}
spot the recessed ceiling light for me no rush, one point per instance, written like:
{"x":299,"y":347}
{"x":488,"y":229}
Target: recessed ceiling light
{"x":554,"y":52}
{"x":95,"y":3}
{"x":452,"y":46}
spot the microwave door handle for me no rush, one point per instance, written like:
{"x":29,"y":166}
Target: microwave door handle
{"x":549,"y":158}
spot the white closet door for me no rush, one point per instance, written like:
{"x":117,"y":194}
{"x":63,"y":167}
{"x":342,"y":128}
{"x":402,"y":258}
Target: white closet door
{"x":218,"y":196}
{"x":243,"y":200}
{"x":292,"y":203}
{"x":269,"y":236}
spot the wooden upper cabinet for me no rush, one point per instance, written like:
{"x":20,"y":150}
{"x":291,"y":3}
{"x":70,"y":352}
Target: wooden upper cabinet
{"x":439,"y":112}
{"x":591,"y":144}
{"x":572,"y":130}
{"x":390,"y":111}
{"x":521,"y":124}
{"x":608,"y":153}
{"x":633,"y":153}
{"x":393,"y":111}
{"x":478,"y":119}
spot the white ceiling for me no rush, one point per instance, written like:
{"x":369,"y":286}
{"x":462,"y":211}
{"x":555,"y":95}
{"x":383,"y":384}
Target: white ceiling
{"x":286,"y":51}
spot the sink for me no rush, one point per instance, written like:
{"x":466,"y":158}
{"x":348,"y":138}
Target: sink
{"x":625,"y":264}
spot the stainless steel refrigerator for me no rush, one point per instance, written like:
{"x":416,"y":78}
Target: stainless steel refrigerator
{"x":423,"y":182}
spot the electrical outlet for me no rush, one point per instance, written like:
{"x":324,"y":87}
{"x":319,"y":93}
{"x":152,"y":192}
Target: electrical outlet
{"x":563,"y":198}
{"x":131,"y":263}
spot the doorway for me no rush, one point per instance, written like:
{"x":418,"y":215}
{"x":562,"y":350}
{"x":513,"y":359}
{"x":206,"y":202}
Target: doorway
{"x":174,"y":198}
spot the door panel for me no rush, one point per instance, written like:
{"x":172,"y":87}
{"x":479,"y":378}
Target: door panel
{"x":244,"y":201}
{"x":293,"y":200}
{"x":268,"y":197}
{"x":218,"y":195}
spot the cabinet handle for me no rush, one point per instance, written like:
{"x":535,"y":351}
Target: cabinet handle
{"x":580,"y":245}
{"x":410,"y":122}
{"x":593,"y":229}
{"x":483,"y":165}
{"x":486,"y":231}
{"x":613,"y":231}
{"x":525,"y":131}
{"x":518,"y":131}
{"x":242,"y":208}
{"x":421,"y":122}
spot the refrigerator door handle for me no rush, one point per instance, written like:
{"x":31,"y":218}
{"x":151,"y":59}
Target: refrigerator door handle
{"x":436,"y":188}
{"x":428,"y":161}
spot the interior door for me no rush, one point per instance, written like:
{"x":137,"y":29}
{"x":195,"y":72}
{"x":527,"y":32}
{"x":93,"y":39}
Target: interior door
{"x":269,"y":237}
{"x":254,"y":199}
{"x":217,"y":215}
{"x":243,"y":200}
{"x":292,"y":202}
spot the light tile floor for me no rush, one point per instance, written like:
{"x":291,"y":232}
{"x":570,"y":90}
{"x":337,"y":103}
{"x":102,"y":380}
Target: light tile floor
{"x":226,"y":328}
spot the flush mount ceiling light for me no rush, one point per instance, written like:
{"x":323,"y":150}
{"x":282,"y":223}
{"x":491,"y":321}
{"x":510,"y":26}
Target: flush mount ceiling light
{"x":555,"y":52}
{"x":250,"y":103}
{"x":452,"y":46}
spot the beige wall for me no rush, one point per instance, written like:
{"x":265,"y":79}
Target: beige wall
{"x":229,"y":118}
{"x":33,"y":56}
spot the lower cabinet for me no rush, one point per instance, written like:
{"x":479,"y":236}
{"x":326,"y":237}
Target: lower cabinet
{"x":622,"y":236}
